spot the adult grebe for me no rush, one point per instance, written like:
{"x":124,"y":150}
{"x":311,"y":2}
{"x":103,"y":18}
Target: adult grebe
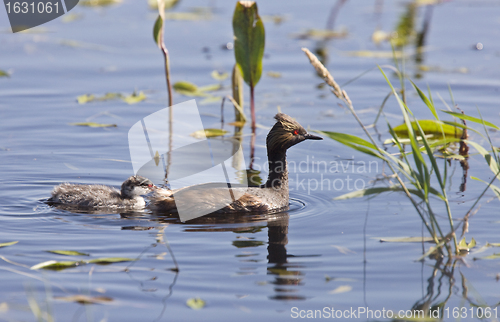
{"x":269,"y":197}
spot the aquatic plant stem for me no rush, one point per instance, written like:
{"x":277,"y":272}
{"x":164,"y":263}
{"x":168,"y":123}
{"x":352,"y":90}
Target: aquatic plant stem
{"x":167,"y":75}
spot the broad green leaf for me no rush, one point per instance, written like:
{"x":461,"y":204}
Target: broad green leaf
{"x":208,"y":133}
{"x":341,"y":289}
{"x":109,"y":260}
{"x":195,"y":303}
{"x":249,"y":41}
{"x":85,"y":299}
{"x":55,"y":265}
{"x":158,"y":30}
{"x":430,"y":127}
{"x":134,"y":98}
{"x":8,"y":244}
{"x":219,"y":76}
{"x":472,"y":119}
{"x":4,"y":73}
{"x":98,"y":3}
{"x":93,"y":124}
{"x":68,"y":252}
{"x":404,"y":239}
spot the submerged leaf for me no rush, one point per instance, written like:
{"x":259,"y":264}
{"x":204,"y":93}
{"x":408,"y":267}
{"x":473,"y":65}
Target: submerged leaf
{"x":68,"y":252}
{"x":195,"y":303}
{"x":249,"y":41}
{"x":430,"y":127}
{"x":85,"y":299}
{"x":8,"y":244}
{"x":404,"y":239}
{"x":93,"y":124}
{"x":208,"y":133}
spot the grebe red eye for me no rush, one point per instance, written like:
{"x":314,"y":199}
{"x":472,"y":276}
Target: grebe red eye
{"x":150,"y":185}
{"x":295,"y":132}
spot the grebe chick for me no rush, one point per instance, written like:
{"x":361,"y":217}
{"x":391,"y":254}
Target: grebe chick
{"x":100,"y":196}
{"x":267,"y":198}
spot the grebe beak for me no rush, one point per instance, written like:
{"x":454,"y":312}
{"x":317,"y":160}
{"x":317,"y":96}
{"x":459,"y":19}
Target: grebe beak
{"x":308,"y":136}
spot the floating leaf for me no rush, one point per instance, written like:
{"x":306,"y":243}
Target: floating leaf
{"x":8,"y":244}
{"x":494,"y":256}
{"x":55,"y":265}
{"x":69,"y":17}
{"x":68,"y":252}
{"x":247,"y":243}
{"x":195,"y":303}
{"x":341,"y":289}
{"x":110,"y":260}
{"x":404,"y":239}
{"x":4,"y":73}
{"x":376,"y":54}
{"x":87,"y":98}
{"x":186,"y":88}
{"x":219,"y":76}
{"x":274,"y":74}
{"x":99,"y":3}
{"x":249,"y":41}
{"x":463,"y":245}
{"x":210,"y":88}
{"x":211,"y":100}
{"x":321,"y":34}
{"x":134,"y":98}
{"x":208,"y":133}
{"x":157,"y":158}
{"x":430,"y":127}
{"x":93,"y":124}
{"x":85,"y":299}
{"x":168,"y":4}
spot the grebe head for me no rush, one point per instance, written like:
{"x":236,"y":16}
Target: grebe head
{"x":136,"y":186}
{"x":286,"y":133}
